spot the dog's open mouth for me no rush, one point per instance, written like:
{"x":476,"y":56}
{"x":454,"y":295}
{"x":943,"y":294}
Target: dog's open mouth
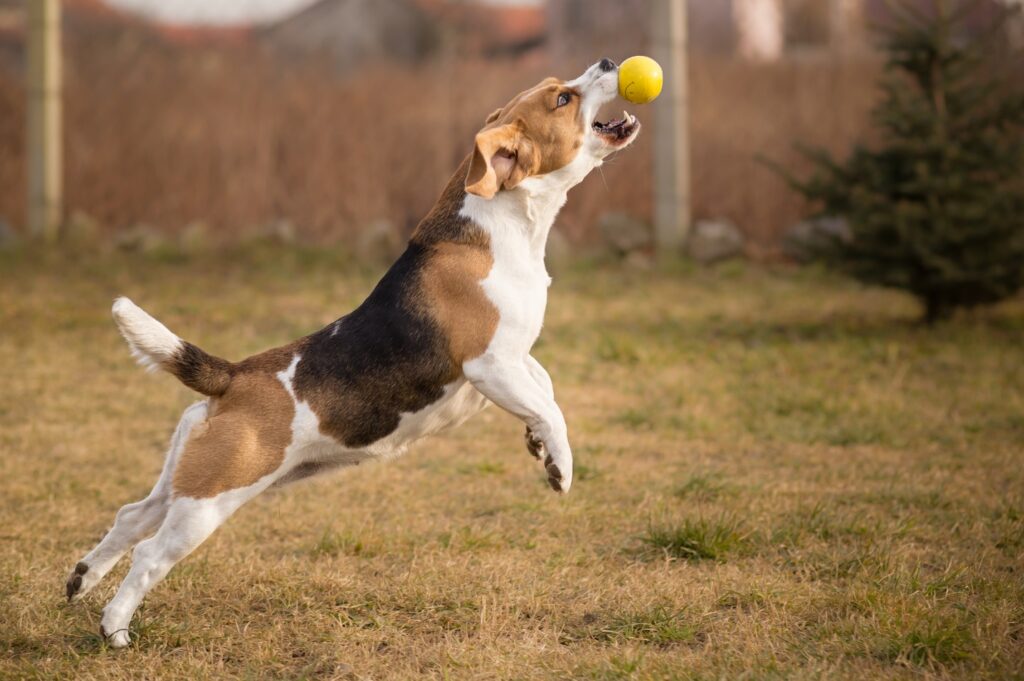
{"x":618,"y":131}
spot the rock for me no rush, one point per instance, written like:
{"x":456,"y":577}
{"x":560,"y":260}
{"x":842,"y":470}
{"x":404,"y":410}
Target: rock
{"x":279,"y":231}
{"x":640,"y":260}
{"x":379,"y":241}
{"x":140,"y":238}
{"x":81,"y":228}
{"x":804,"y":240}
{"x":714,"y":240}
{"x":195,"y":238}
{"x":8,"y":237}
{"x":625,"y":234}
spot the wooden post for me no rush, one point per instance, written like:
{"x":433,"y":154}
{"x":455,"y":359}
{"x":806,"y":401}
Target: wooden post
{"x":672,"y":128}
{"x":44,"y":114}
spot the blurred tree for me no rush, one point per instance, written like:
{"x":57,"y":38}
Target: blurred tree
{"x":938,"y":208}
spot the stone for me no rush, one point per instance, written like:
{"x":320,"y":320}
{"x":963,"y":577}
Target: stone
{"x":640,"y":260}
{"x":714,"y":240}
{"x":279,"y":231}
{"x":380,"y":241}
{"x":625,"y":233}
{"x":140,"y":238}
{"x":8,"y":237}
{"x":81,"y":228}
{"x":195,"y":238}
{"x":804,"y":240}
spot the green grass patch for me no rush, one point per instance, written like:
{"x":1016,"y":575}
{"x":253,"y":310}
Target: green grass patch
{"x":942,"y":641}
{"x":635,"y":419}
{"x":747,"y":600}
{"x":704,"y":487}
{"x":659,"y":626}
{"x":333,"y":543}
{"x":699,"y":539}
{"x":482,"y":468}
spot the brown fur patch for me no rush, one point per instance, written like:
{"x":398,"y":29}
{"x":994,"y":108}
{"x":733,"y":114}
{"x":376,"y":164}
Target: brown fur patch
{"x":451,"y":287}
{"x":201,"y":371}
{"x":243,"y":439}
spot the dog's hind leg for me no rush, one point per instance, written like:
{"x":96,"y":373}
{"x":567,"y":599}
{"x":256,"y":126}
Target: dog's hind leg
{"x":134,"y":522}
{"x":238,"y":452}
{"x":188,"y":523}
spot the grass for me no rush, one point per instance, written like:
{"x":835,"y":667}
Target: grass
{"x":704,"y":487}
{"x":819,"y":488}
{"x":700,"y":539}
{"x":658,"y":626}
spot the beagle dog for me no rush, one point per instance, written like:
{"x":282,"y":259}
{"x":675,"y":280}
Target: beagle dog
{"x":446,"y":331}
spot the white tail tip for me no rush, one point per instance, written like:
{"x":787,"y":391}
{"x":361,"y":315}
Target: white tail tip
{"x":151,"y":342}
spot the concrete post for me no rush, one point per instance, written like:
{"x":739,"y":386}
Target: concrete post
{"x":672,"y":128}
{"x":44,"y":119}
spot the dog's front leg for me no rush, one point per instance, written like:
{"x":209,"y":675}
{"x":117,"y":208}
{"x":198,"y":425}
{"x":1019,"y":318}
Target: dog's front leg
{"x":534,"y":445}
{"x":510,"y":384}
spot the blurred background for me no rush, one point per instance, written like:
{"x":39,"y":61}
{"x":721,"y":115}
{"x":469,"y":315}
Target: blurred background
{"x":338,"y":121}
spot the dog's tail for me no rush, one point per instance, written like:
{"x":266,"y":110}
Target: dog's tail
{"x":154,"y":346}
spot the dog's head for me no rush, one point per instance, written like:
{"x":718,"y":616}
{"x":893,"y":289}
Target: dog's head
{"x":550,"y":131}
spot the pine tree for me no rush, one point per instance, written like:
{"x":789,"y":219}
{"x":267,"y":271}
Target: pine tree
{"x":937,"y":209}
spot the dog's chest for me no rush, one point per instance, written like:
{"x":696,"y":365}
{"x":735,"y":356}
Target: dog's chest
{"x":517,"y":286}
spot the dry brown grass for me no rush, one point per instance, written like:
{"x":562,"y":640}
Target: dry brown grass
{"x":166,"y":137}
{"x":778,"y":476}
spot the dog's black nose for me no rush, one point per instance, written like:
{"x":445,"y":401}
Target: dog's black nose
{"x":606,"y":65}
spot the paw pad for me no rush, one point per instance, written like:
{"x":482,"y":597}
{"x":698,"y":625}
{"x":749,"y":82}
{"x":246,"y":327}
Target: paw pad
{"x":118,"y":638}
{"x":554,"y":474}
{"x":534,"y":445}
{"x":75,"y":580}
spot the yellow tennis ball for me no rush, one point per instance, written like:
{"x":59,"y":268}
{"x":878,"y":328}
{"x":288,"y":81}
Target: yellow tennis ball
{"x":640,"y":80}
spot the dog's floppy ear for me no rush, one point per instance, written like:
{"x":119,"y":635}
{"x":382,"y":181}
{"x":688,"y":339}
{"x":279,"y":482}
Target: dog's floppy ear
{"x":503,"y":158}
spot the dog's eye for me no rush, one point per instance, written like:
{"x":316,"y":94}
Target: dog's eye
{"x":563,"y":99}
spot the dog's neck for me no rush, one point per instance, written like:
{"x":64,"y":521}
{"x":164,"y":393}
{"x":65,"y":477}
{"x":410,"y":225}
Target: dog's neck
{"x":530,"y":209}
{"x":525,"y":213}
{"x":515,"y":214}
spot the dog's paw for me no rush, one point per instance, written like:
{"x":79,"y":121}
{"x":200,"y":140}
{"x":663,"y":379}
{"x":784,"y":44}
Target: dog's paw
{"x":558,"y":479}
{"x":79,"y":581}
{"x":116,"y":639}
{"x":534,"y":445}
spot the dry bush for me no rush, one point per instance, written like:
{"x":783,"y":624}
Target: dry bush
{"x":164,"y":136}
